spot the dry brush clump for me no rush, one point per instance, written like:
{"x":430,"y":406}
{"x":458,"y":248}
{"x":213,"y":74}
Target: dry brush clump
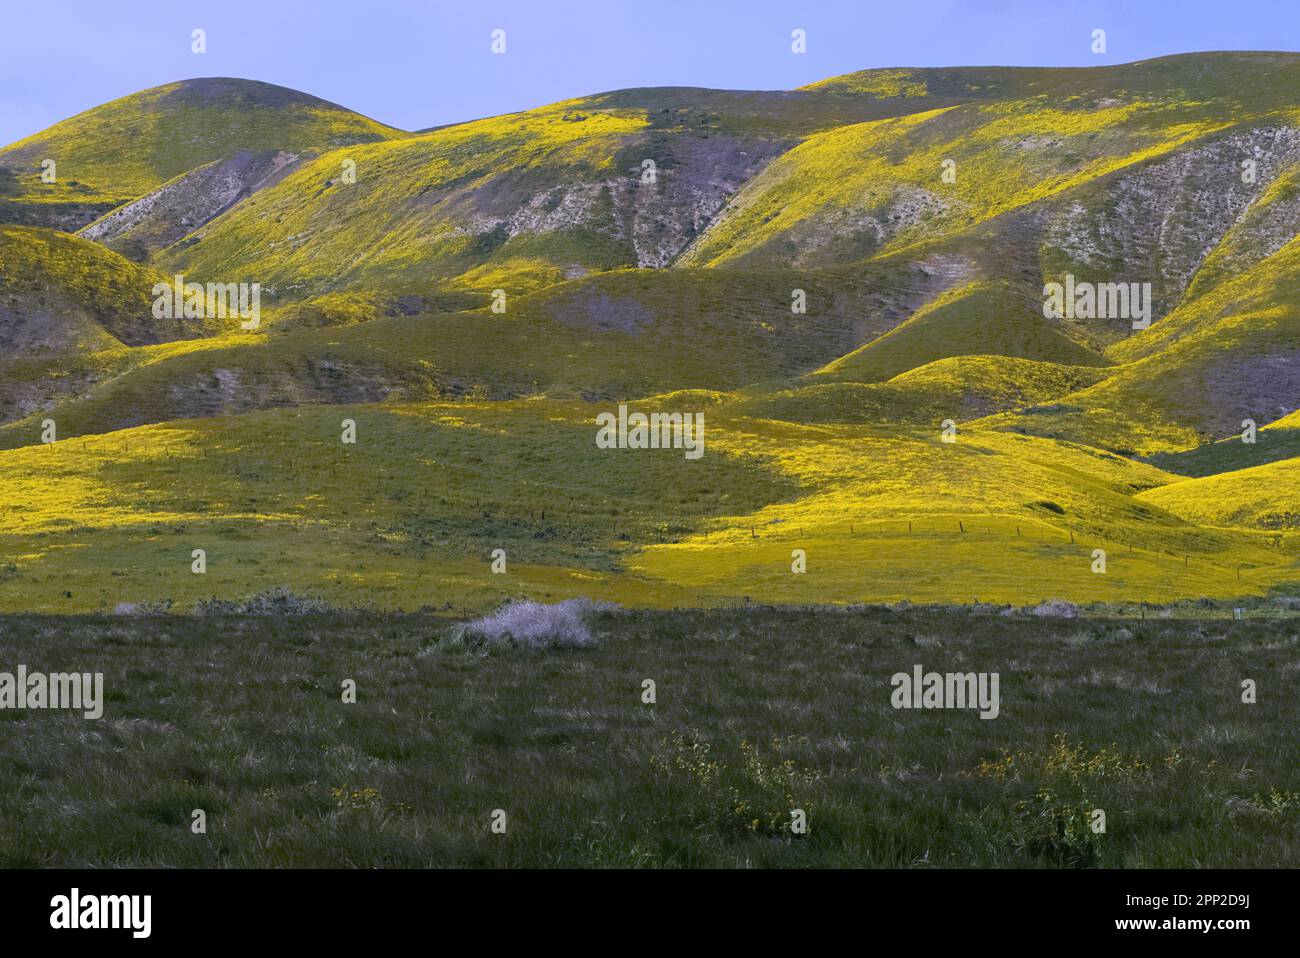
{"x":535,"y":625}
{"x":1055,"y":609}
{"x":277,"y":601}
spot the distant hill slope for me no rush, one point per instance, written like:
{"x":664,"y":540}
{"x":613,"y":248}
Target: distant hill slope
{"x":60,"y":294}
{"x":960,"y":388}
{"x":1260,"y":77}
{"x":1261,"y":497}
{"x":613,"y":223}
{"x":619,"y":335}
{"x":145,"y":226}
{"x":981,"y":318}
{"x":73,"y":314}
{"x":1118,"y":170}
{"x":407,"y":516}
{"x":1227,"y":356}
{"x":123,"y":150}
{"x":523,"y":200}
{"x":795,"y":265}
{"x":1273,"y":442}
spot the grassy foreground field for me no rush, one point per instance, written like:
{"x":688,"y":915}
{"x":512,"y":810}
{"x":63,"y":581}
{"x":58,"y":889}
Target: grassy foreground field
{"x":758,"y":711}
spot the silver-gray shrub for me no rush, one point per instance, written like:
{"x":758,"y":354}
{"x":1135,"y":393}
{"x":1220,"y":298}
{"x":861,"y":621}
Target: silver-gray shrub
{"x":536,"y":625}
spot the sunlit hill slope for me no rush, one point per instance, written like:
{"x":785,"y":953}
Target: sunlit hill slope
{"x":846,"y":280}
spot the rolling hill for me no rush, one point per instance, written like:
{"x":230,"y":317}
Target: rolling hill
{"x":828,"y":274}
{"x":124,"y":150}
{"x":1222,"y":358}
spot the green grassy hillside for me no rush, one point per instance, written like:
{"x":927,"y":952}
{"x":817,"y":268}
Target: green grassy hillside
{"x":410,"y":514}
{"x":619,"y":335}
{"x":867,"y":188}
{"x":518,"y":202}
{"x":1258,"y":79}
{"x":977,"y":319}
{"x":798,"y":268}
{"x":1273,"y":441}
{"x":1225,"y":357}
{"x":124,"y":149}
{"x":1258,"y":497}
{"x":961,"y":388}
{"x":62,"y":294}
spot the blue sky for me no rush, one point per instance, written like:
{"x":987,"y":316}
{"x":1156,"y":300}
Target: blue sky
{"x":419,"y":63}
